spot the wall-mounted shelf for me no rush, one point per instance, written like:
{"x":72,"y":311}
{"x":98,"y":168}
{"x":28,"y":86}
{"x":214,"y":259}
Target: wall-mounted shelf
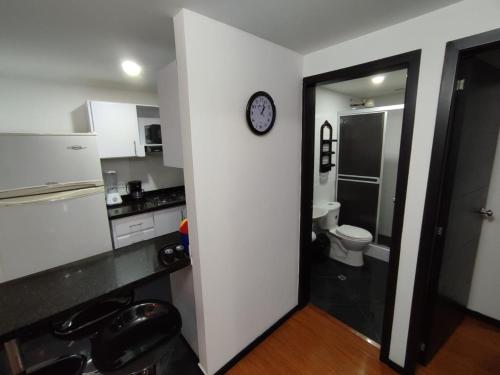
{"x":325,"y":151}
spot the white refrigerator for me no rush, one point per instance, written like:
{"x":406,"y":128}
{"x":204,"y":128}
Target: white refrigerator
{"x":52,"y":204}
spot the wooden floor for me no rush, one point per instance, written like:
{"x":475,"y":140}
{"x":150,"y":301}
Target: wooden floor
{"x":473,"y":349}
{"x":313,"y":342}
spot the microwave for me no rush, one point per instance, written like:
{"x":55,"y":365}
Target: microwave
{"x":152,"y":134}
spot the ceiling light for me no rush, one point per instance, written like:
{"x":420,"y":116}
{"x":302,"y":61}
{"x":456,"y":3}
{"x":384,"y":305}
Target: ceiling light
{"x":131,"y":68}
{"x":377,"y":80}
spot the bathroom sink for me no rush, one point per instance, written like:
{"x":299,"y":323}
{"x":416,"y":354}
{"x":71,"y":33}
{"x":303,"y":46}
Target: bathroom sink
{"x":319,"y":212}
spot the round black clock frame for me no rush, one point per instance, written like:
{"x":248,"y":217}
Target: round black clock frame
{"x":249,"y":106}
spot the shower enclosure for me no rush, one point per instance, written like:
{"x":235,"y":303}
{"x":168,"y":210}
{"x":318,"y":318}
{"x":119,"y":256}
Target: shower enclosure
{"x":366,"y":169}
{"x":359,"y":169}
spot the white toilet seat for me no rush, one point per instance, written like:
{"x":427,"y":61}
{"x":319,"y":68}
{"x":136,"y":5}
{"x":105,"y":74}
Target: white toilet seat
{"x":352,"y":233}
{"x":347,"y":242}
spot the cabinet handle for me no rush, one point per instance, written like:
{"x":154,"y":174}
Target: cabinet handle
{"x":135,"y":149}
{"x":76,"y":147}
{"x":135,"y":225}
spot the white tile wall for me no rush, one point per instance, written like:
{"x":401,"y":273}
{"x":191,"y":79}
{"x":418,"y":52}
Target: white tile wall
{"x":150,"y":170}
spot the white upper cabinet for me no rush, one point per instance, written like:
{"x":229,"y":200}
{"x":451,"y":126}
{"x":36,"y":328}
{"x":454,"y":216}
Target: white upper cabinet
{"x":117,"y":129}
{"x":168,"y":92}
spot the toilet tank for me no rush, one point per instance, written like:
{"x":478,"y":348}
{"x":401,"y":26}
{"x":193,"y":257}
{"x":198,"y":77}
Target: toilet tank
{"x":331,"y":220}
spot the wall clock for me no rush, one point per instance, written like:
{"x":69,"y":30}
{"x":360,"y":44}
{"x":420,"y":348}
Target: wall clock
{"x":261,"y":113}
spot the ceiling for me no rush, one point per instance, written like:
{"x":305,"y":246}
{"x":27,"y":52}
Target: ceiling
{"x":83,"y":41}
{"x":364,"y":88}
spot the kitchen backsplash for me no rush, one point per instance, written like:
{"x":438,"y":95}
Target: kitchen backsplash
{"x":150,"y":170}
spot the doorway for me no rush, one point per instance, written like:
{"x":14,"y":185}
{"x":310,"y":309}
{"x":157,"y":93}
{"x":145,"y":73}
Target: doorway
{"x":355,"y":174}
{"x":343,"y":164}
{"x":458,"y":257}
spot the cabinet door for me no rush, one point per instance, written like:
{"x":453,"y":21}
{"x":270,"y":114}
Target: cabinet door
{"x":167,"y":221}
{"x":117,"y":129}
{"x":132,"y":224}
{"x":168,"y":92}
{"x":132,"y":238}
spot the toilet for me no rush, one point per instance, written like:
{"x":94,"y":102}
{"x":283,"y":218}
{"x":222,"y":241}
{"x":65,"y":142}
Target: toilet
{"x":347,"y":242}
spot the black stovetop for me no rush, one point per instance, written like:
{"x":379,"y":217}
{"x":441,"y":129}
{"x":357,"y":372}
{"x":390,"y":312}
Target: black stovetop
{"x":152,"y":201}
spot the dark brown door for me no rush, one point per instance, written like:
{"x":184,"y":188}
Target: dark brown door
{"x":472,"y":145}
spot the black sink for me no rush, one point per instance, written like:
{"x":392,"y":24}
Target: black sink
{"x":89,"y":320}
{"x":135,"y":331}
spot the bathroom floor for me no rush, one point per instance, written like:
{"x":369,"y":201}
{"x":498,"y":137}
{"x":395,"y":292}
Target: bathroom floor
{"x":356,"y":296}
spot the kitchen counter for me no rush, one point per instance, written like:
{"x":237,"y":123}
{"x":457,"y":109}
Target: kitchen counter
{"x":153,"y":200}
{"x":36,"y":300}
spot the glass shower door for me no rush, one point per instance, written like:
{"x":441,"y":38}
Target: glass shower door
{"x":360,"y":149}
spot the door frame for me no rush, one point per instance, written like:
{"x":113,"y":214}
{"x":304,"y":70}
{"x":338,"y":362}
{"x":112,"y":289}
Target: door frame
{"x":411,"y":62}
{"x":429,"y":261}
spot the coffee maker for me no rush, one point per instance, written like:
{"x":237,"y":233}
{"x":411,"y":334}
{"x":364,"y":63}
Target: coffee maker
{"x":135,"y":190}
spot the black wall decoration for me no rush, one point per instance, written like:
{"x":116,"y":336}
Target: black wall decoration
{"x":325,"y":148}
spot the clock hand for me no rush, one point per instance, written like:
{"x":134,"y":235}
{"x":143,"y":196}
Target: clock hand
{"x":263,"y":107}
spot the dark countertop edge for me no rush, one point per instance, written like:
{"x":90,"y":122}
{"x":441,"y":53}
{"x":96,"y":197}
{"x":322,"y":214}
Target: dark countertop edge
{"x":30,"y":328}
{"x":143,"y":211}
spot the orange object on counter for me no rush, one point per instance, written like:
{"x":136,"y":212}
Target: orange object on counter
{"x":183,"y":227}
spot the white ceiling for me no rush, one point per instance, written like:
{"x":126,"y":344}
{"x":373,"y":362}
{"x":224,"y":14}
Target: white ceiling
{"x":83,"y":41}
{"x":364,"y":88}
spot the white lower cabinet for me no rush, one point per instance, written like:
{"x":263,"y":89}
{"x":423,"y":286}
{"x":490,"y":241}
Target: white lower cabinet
{"x":136,"y":228}
{"x":129,"y":239}
{"x":132,"y":224}
{"x":168,"y":220}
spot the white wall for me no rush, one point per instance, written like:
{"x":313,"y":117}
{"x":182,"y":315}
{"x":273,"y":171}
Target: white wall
{"x":44,"y":106}
{"x":392,"y":140}
{"x":150,"y":170}
{"x":328,"y":104}
{"x":486,"y":278}
{"x":41,"y":106}
{"x":243,"y":190}
{"x":430,"y":33}
{"x":391,"y":99}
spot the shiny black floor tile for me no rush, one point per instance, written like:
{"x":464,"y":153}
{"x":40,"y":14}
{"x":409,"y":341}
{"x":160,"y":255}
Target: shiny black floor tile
{"x":354,"y":295}
{"x":181,"y":361}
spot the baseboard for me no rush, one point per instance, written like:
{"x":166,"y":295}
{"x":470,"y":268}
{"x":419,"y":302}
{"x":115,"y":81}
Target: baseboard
{"x":202,"y":369}
{"x":379,"y":252}
{"x":256,"y":342}
{"x":484,"y":318}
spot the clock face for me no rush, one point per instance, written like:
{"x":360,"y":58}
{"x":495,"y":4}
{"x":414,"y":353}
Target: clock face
{"x":261,"y":113}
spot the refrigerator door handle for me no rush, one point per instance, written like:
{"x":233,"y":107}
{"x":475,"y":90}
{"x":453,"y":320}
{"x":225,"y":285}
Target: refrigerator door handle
{"x":53,"y":197}
{"x":49,"y":188}
{"x":76,"y":147}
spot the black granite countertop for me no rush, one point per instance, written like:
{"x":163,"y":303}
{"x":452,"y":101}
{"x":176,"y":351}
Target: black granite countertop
{"x":38,"y":299}
{"x":153,"y":200}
